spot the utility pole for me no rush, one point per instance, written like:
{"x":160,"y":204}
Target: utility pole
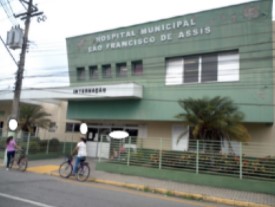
{"x":31,"y":12}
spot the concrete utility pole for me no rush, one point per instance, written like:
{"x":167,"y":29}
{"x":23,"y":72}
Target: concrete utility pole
{"x":31,"y":12}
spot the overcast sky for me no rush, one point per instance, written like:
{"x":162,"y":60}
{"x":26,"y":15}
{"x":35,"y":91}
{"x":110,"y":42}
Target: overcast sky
{"x":47,"y":52}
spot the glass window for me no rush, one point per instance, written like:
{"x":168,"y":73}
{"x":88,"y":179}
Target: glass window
{"x":103,"y":134}
{"x":212,"y":67}
{"x":76,"y":127}
{"x":174,"y":71}
{"x":209,"y":68}
{"x":121,"y":70}
{"x":80,"y":73}
{"x":137,"y":68}
{"x":191,"y":69}
{"x":106,"y":71}
{"x":93,"y":70}
{"x":69,"y":127}
{"x":133,"y":133}
{"x":72,"y":127}
{"x":52,"y":127}
{"x":229,"y":66}
{"x":92,"y":134}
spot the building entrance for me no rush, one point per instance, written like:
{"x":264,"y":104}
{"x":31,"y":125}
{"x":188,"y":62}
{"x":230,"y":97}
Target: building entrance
{"x":98,"y":141}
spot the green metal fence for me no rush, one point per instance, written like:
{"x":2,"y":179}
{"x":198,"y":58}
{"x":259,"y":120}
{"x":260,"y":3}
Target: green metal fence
{"x":40,"y":149}
{"x":242,"y":160}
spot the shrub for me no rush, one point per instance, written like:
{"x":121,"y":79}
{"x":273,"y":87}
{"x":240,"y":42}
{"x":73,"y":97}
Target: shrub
{"x":54,"y":145}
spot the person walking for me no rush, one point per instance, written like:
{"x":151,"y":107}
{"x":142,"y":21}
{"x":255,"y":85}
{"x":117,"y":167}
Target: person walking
{"x":81,"y":153}
{"x":11,"y":146}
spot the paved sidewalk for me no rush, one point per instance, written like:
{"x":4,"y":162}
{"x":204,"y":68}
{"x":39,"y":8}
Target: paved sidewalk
{"x":219,"y":195}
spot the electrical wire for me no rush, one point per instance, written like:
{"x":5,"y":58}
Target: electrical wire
{"x":9,"y":11}
{"x":157,"y":65}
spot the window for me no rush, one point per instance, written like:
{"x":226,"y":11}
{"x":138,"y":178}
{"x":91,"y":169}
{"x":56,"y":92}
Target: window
{"x":121,"y":70}
{"x":209,"y":68}
{"x":80,"y":73}
{"x":213,"y":67}
{"x":72,"y":127}
{"x":93,"y":70}
{"x":137,"y":68}
{"x":229,"y":67}
{"x":106,"y":71}
{"x":52,"y":127}
{"x":133,"y":133}
{"x":191,"y":70}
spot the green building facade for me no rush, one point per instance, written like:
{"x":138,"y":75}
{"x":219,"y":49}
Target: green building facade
{"x":220,"y":52}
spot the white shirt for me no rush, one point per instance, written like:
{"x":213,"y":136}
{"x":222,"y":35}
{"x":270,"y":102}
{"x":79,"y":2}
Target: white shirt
{"x":82,"y":150}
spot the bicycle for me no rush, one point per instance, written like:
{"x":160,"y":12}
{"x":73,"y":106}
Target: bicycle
{"x":21,"y":160}
{"x":66,"y":169}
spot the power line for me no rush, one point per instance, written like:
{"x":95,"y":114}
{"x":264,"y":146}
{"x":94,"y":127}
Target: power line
{"x":9,"y":11}
{"x":151,"y":67}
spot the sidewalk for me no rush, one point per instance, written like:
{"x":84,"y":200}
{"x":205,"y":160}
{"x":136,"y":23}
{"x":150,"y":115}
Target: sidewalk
{"x":219,"y":195}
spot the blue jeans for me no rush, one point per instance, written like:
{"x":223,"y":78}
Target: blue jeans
{"x":76,"y":164}
{"x":10,"y":156}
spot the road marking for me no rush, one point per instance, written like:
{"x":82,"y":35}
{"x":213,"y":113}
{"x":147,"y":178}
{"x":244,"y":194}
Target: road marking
{"x":24,"y":200}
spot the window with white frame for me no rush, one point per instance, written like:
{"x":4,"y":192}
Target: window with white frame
{"x":212,"y":67}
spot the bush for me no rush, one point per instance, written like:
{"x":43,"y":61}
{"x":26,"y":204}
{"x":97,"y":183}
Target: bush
{"x":3,"y":143}
{"x":43,"y":145}
{"x":34,"y":147}
{"x":54,"y":145}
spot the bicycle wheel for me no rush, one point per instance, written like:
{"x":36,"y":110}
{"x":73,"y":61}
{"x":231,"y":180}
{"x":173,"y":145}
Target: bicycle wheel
{"x":83,"y":172}
{"x":65,"y":170}
{"x":23,"y":164}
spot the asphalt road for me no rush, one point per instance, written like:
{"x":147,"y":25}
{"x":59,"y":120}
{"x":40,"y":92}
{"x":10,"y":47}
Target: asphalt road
{"x":19,"y":189}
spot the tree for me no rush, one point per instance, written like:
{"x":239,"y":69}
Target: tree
{"x":213,"y":119}
{"x":32,"y":116}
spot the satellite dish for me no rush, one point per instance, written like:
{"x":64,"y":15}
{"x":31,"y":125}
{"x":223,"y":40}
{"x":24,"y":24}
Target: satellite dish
{"x":83,"y":128}
{"x":119,"y":134}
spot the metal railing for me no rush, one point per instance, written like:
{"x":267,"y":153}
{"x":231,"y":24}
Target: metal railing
{"x":40,"y":149}
{"x":251,"y":160}
{"x":243,"y":160}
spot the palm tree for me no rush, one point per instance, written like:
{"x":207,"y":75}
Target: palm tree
{"x":213,"y":119}
{"x":32,"y":116}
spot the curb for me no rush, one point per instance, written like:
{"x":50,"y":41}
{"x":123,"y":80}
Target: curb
{"x":181,"y":194}
{"x":170,"y":193}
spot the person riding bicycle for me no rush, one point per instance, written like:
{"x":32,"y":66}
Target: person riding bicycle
{"x":81,"y":151}
{"x":11,"y":146}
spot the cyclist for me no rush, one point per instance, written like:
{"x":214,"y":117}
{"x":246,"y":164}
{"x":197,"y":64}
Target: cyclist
{"x":81,"y":151}
{"x":11,"y":146}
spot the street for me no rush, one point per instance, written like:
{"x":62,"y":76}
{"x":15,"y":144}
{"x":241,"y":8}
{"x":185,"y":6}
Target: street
{"x":33,"y":190}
